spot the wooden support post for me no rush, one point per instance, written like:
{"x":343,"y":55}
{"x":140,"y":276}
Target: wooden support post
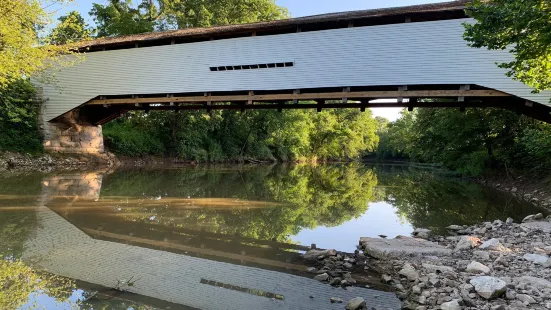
{"x":528,"y":104}
{"x":401,"y":89}
{"x":345,"y":90}
{"x":463,"y":87}
{"x":350,"y":24}
{"x":146,"y":110}
{"x":173,"y":41}
{"x":364,"y":103}
{"x":170,"y":103}
{"x":299,"y":29}
{"x":408,"y":19}
{"x":250,"y":101}
{"x":254,"y":33}
{"x":136,"y":45}
{"x":412,"y":102}
{"x":320,"y":104}
{"x":296,"y":92}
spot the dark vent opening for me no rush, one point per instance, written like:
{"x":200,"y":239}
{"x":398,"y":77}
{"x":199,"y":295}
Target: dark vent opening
{"x":255,"y":66}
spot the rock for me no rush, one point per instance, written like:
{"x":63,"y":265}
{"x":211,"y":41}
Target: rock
{"x":466,"y":243}
{"x":386,"y":278}
{"x":454,"y":227}
{"x":422,"y":233}
{"x":482,"y":255}
{"x":526,"y":299}
{"x":322,"y":277}
{"x":409,"y":272}
{"x":476,"y":267}
{"x":509,"y":221}
{"x":492,"y":245}
{"x":489,"y":287}
{"x":543,"y":226}
{"x":451,"y":305}
{"x":314,"y":254}
{"x":533,"y":281}
{"x":537,"y":259}
{"x":547,"y":250}
{"x":335,"y":281}
{"x":385,"y":248}
{"x":435,"y":268}
{"x":497,"y":307}
{"x":356,"y":304}
{"x":533,"y":217}
{"x":336,"y":300}
{"x":312,"y":269}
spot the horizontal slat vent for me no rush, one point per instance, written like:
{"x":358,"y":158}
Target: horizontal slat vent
{"x":255,"y":66}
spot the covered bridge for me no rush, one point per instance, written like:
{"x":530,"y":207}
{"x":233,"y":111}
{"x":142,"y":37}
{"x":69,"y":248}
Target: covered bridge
{"x":349,"y":59}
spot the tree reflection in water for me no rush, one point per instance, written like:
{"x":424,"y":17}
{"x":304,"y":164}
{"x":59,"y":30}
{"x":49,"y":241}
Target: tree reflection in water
{"x":267,"y":203}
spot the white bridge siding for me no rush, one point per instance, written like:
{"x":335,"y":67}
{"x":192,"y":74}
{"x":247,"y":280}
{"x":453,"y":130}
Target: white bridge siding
{"x":396,"y":54}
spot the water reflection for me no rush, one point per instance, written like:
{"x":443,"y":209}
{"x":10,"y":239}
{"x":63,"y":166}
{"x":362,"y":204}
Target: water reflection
{"x":165,"y":232}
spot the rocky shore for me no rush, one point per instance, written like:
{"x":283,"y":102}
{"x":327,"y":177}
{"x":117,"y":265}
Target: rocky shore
{"x":493,"y":265}
{"x":54,"y":162}
{"x":530,"y":189}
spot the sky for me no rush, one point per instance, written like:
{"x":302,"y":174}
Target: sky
{"x":297,"y":8}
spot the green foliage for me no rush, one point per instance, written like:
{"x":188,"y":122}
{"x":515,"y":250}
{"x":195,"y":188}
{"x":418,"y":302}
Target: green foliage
{"x":18,"y":118}
{"x":232,"y":135}
{"x":124,"y":138}
{"x":471,"y":142}
{"x":523,"y":27}
{"x":71,"y":28}
{"x":122,"y":17}
{"x":23,"y":50}
{"x":207,"y":13}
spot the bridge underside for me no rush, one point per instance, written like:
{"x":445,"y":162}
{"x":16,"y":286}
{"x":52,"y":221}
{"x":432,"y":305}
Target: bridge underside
{"x":103,"y":109}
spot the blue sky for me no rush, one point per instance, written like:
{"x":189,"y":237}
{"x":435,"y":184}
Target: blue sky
{"x":297,"y":8}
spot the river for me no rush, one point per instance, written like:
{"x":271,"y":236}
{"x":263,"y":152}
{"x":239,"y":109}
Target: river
{"x":219,"y":237}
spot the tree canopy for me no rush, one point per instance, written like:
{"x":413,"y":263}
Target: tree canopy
{"x":122,"y":17}
{"x":24,"y":51}
{"x":71,"y":28}
{"x":524,"y":27}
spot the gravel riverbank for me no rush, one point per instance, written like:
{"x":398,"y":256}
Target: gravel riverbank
{"x":55,"y":162}
{"x":493,"y":265}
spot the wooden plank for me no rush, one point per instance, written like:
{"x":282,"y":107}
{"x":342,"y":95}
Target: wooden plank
{"x":308,"y":96}
{"x":435,"y":104}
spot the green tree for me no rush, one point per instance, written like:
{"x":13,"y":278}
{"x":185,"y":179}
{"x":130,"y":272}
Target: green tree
{"x":71,"y":28}
{"x":523,"y":27}
{"x":207,"y":13}
{"x":23,"y":51}
{"x":119,"y":17}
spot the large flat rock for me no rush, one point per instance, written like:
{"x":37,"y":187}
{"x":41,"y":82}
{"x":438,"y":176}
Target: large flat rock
{"x":400,"y":246}
{"x":543,"y":226}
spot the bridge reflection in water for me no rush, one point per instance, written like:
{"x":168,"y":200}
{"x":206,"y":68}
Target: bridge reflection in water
{"x":85,"y":236}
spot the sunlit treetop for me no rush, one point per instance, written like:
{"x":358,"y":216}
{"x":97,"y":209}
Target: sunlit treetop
{"x":24,"y":50}
{"x":524,"y":27}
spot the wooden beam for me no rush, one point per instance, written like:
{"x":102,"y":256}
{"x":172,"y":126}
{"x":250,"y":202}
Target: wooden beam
{"x":307,"y":96}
